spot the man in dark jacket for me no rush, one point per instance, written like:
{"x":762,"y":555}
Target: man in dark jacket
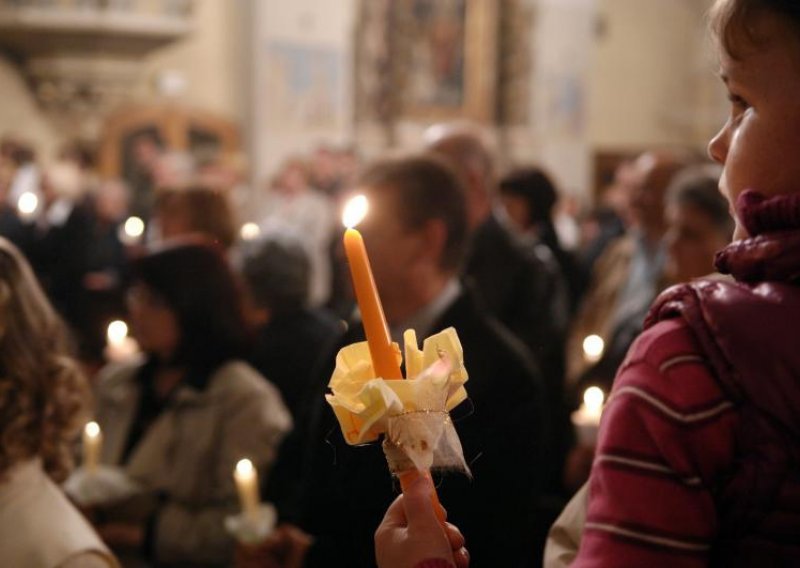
{"x":521,"y":285}
{"x":289,"y":334}
{"x":416,"y":237}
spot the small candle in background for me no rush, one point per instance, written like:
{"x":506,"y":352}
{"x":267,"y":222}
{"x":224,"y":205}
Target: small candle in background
{"x":119,"y":346}
{"x":249,"y":231}
{"x":246,"y":478}
{"x":592,"y":406}
{"x":92,"y":445}
{"x":587,"y":418}
{"x":132,"y":231}
{"x":27,"y":204}
{"x":593,"y":347}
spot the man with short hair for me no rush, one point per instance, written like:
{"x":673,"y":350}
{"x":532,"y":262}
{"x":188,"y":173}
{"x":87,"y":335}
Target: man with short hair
{"x":416,"y":237}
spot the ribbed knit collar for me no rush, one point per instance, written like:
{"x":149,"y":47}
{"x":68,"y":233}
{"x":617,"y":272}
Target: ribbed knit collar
{"x":772,"y":252}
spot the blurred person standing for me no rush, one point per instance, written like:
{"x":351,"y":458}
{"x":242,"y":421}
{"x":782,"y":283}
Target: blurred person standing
{"x":106,"y":264}
{"x":530,"y":197}
{"x":521,"y":285}
{"x":626,"y":277}
{"x":177,"y":421}
{"x":296,"y":209}
{"x":289,"y":335}
{"x":57,"y":239}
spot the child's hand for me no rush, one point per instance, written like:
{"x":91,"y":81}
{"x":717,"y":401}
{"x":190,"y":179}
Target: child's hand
{"x":411,"y":533}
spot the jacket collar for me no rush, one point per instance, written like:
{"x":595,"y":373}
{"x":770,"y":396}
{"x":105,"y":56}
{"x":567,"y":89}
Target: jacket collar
{"x":772,"y":252}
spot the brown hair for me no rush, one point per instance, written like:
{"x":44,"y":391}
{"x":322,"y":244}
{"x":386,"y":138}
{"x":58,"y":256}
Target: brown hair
{"x":468,"y":149}
{"x":427,"y":188}
{"x":732,"y":21}
{"x":43,"y":394}
{"x":207,"y":211}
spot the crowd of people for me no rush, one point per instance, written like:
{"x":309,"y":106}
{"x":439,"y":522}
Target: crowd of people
{"x":237,"y":332}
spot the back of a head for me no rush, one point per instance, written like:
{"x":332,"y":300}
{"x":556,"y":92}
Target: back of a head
{"x":198,"y":285}
{"x":424,"y":188}
{"x":661,"y":165}
{"x":536,"y":187}
{"x":468,"y":148}
{"x":733,"y":22}
{"x":42,"y":391}
{"x":277,"y":272}
{"x":202,"y":210}
{"x":698,"y":187}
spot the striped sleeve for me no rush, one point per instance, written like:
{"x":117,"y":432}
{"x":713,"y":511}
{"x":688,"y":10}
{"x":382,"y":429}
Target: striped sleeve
{"x":667,"y":434}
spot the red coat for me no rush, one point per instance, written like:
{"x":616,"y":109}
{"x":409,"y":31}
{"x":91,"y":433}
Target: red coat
{"x":698,"y":459}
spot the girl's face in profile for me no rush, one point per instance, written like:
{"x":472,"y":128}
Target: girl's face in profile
{"x":760,"y":143}
{"x":153,"y":322}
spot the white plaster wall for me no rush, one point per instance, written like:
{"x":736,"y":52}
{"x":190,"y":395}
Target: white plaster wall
{"x":325,"y":24}
{"x":563,"y":50}
{"x":650,"y":67}
{"x":213,"y":60}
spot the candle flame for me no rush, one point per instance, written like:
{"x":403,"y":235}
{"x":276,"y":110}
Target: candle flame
{"x":134,"y":227}
{"x":593,"y":398}
{"x":117,"y":332}
{"x":249,"y":231}
{"x":355,"y":211}
{"x":92,"y":429}
{"x":593,"y":347}
{"x":244,"y":467}
{"x":27,"y":203}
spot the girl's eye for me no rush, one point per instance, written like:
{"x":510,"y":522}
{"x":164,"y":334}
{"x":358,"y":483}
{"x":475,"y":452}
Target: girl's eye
{"x":738,"y":102}
{"x":738,"y":106}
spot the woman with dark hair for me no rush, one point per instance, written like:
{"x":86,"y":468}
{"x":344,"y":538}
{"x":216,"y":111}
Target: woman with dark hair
{"x":43,"y":398}
{"x":179,"y":420}
{"x":529,"y":197}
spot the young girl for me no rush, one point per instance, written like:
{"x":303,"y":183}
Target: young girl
{"x":698,"y":458}
{"x":43,"y":399}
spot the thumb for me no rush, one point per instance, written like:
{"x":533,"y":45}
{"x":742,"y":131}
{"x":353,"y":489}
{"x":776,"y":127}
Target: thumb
{"x":418,"y":505}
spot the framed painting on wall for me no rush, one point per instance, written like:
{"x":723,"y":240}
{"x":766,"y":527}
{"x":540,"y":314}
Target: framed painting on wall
{"x":449,"y":58}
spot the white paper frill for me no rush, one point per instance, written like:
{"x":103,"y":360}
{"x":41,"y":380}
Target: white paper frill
{"x":412,"y":413}
{"x":102,"y":486}
{"x":252,"y":529}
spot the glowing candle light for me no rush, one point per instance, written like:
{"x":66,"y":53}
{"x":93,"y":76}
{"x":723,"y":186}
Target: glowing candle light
{"x":92,"y":445}
{"x":587,"y":418}
{"x":132,"y":231}
{"x":384,"y":354}
{"x":246,"y":477}
{"x":119,"y":346}
{"x":117,"y":332}
{"x":249,"y":231}
{"x":593,"y":399}
{"x":27,"y":204}
{"x":593,"y":347}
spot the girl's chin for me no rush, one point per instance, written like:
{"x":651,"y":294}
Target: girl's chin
{"x":739,"y":232}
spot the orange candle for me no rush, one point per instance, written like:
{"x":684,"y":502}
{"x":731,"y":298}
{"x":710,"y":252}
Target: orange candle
{"x":384,"y":354}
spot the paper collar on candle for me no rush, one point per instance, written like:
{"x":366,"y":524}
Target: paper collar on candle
{"x":363,"y":403}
